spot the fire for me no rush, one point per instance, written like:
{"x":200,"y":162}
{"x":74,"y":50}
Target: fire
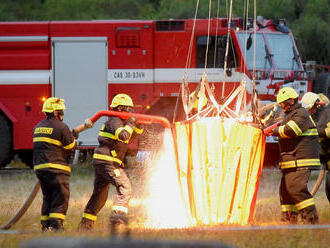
{"x":211,"y":177}
{"x":164,"y":203}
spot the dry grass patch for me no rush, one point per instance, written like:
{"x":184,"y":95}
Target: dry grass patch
{"x":16,"y":187}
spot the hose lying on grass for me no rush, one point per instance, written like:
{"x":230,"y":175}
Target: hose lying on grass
{"x":24,"y":208}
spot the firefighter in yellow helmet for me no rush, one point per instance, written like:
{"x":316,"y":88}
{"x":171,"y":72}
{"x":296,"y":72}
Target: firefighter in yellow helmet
{"x":299,"y":154}
{"x":114,"y":137}
{"x":317,"y":106}
{"x":53,"y":144}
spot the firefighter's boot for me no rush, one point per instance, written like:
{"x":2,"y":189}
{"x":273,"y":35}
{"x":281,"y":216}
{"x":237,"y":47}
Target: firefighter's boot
{"x":119,"y":224}
{"x":56,"y":225}
{"x":44,"y":225}
{"x":309,"y":215}
{"x":85,"y":225}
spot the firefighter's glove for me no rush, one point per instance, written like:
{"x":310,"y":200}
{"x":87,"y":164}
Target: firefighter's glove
{"x":268,"y":132}
{"x":75,"y":134}
{"x":131,"y":121}
{"x":275,"y":131}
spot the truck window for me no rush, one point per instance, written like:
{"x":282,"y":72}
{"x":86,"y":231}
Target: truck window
{"x":216,"y":52}
{"x":284,"y":53}
{"x":263,"y":56}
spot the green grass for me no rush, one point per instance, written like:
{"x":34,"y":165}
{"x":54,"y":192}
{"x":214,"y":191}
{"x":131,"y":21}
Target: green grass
{"x":14,"y":188}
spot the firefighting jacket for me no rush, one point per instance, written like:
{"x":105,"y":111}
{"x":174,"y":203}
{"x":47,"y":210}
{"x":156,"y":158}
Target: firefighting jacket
{"x":53,"y":144}
{"x":298,"y":140}
{"x":322,"y":120}
{"x":114,"y":136}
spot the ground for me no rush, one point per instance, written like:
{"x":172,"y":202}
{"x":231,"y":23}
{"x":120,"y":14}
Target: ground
{"x":265,"y":230}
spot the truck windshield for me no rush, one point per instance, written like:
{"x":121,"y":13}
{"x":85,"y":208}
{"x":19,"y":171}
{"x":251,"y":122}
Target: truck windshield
{"x":279,"y":49}
{"x":262,"y":58}
{"x":285,"y":56}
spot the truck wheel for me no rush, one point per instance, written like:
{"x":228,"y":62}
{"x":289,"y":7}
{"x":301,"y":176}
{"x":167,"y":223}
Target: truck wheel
{"x":6,"y":147}
{"x":27,"y":157}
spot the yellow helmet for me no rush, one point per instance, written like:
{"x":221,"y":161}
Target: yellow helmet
{"x":199,"y":95}
{"x":285,"y":94}
{"x":121,"y":99}
{"x":52,"y":104}
{"x":324,"y":99}
{"x":309,"y":99}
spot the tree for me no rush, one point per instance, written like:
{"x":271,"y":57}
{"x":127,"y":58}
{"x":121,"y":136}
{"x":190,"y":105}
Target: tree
{"x":21,"y":10}
{"x":313,"y":33}
{"x":176,"y":9}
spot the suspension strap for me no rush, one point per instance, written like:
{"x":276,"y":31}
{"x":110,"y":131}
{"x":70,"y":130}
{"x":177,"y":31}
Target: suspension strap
{"x":227,"y":48}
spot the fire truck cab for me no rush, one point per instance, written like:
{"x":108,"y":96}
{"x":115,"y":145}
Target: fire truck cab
{"x":88,"y":62}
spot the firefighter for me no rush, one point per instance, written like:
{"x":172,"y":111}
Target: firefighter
{"x":299,"y":154}
{"x":114,"y":137}
{"x":317,"y":107}
{"x":53,"y":144}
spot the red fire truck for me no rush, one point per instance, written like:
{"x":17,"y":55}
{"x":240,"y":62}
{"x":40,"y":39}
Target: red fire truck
{"x":88,"y":62}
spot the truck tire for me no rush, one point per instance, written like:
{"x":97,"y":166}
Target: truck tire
{"x":321,"y":84}
{"x":6,"y":147}
{"x":27,"y":157}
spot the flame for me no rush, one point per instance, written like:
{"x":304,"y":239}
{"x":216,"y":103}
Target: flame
{"x":214,"y":180}
{"x":164,"y":203}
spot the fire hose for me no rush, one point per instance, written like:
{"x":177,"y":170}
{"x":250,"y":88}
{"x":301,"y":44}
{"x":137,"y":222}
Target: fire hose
{"x":24,"y":208}
{"x":141,"y":119}
{"x":268,"y":131}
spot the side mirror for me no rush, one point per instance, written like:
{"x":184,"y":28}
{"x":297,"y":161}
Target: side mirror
{"x":249,"y":42}
{"x":229,"y":72}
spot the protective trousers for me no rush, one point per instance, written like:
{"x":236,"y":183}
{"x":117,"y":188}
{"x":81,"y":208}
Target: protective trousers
{"x":106,"y":173}
{"x":327,"y":184}
{"x":295,"y":197}
{"x":56,"y":192}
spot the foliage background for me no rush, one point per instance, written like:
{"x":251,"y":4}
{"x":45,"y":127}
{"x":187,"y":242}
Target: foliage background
{"x":308,"y":20}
